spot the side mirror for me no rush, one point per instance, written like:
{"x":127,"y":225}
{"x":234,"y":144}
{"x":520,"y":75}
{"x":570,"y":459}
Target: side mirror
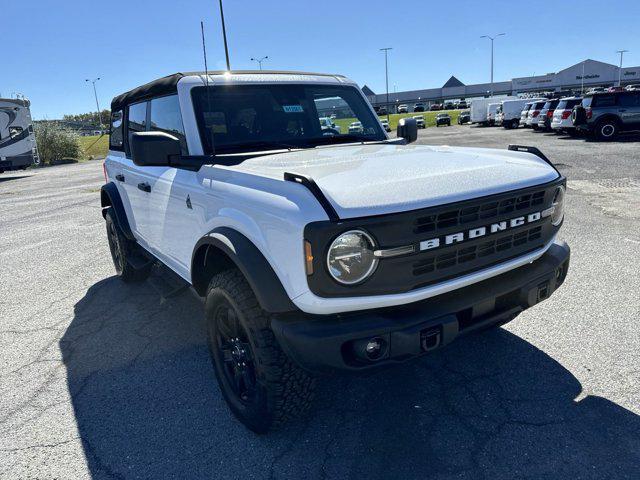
{"x":154,"y":149}
{"x":408,"y":129}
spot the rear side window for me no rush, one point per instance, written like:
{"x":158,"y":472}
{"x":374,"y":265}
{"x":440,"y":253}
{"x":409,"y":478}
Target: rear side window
{"x":604,"y":101}
{"x":572,"y":103}
{"x":629,"y":99}
{"x":136,"y":120}
{"x":137,"y":117}
{"x":165,"y":117}
{"x":562,"y":104}
{"x":116,"y":138}
{"x":586,"y":102}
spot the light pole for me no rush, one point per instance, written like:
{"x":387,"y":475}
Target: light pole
{"x":621,"y":52}
{"x":492,"y":39}
{"x":386,"y":75}
{"x":259,"y":60}
{"x":96,"y":96}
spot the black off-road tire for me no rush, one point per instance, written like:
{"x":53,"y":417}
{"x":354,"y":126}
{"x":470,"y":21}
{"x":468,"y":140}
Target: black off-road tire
{"x":122,"y":250}
{"x":282,"y":390}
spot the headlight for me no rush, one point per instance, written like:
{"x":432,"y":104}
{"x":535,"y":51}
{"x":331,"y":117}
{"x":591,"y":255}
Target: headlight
{"x":558,"y":206}
{"x":350,"y":258}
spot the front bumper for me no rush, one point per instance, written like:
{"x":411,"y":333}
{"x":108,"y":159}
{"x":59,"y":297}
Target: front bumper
{"x":329,"y":342}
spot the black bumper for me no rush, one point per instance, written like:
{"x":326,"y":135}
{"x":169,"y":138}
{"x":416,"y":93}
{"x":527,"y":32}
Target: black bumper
{"x":16,"y":162}
{"x":327,"y":342}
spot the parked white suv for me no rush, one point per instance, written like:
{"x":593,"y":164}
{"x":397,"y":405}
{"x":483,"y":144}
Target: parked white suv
{"x":533,"y":115}
{"x":524,"y":114}
{"x":316,"y":250}
{"x":561,"y":121}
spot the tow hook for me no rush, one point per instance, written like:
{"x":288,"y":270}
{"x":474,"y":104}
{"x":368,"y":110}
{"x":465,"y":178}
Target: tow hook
{"x":430,"y":338}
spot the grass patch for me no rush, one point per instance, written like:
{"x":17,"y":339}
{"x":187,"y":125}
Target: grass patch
{"x":429,"y":119}
{"x":94,"y":146}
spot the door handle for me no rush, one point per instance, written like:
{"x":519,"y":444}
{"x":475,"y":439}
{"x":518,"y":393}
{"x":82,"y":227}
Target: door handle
{"x":120,"y":177}
{"x":144,"y":186}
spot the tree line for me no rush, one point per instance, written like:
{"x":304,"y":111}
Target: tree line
{"x":90,"y":118}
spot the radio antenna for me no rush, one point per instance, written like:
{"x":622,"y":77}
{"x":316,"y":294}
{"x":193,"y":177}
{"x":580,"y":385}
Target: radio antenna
{"x":204,"y":54}
{"x":224,"y":36}
{"x":206,"y":85}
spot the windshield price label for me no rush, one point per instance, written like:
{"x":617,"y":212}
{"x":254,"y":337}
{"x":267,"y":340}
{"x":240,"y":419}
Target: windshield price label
{"x":292,"y":108}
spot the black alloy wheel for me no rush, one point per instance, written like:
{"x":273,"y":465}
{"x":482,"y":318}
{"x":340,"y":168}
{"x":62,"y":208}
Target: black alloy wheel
{"x":235,"y":354}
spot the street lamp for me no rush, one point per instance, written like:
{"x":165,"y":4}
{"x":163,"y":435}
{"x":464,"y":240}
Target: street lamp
{"x":93,"y":82}
{"x":492,"y":39}
{"x":259,"y":60}
{"x":621,"y":52}
{"x":386,"y":75}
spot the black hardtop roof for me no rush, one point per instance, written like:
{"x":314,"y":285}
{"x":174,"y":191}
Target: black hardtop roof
{"x":168,"y":85}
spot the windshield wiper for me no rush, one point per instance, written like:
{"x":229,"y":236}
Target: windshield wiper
{"x":252,"y":146}
{"x":336,"y":139}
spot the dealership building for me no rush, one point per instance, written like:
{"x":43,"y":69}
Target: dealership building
{"x":587,"y":74}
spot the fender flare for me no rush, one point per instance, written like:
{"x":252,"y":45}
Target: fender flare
{"x":249,"y":260}
{"x":110,"y":197}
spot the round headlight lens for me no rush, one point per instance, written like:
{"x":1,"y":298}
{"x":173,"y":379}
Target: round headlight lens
{"x":350,"y":258}
{"x":558,"y":206}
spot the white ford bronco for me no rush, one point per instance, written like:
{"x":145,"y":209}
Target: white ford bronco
{"x":316,"y":249}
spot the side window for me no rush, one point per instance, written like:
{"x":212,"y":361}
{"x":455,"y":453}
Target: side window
{"x":604,"y":101}
{"x":136,"y":121}
{"x":116,"y":138}
{"x":15,"y":131}
{"x":166,"y":117}
{"x":630,"y":99}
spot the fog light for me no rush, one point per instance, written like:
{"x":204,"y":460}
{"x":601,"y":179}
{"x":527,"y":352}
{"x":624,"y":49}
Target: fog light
{"x":374,"y":348}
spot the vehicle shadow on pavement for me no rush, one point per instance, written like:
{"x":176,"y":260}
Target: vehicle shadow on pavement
{"x":489,"y":406}
{"x":5,"y":178}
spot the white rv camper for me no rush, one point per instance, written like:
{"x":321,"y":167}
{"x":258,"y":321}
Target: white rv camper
{"x":17,"y":141}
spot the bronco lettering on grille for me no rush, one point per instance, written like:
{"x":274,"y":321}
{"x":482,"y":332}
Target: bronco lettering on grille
{"x":482,"y":231}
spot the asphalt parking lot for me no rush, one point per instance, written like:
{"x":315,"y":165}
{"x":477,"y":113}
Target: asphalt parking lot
{"x":102,"y":380}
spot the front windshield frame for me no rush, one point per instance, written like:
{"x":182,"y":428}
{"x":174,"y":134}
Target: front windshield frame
{"x":359,"y":106}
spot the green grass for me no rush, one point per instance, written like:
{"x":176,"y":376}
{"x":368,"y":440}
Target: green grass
{"x":429,"y":119}
{"x":94,"y":146}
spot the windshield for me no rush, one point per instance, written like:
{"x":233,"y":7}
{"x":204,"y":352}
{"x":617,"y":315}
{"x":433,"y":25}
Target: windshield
{"x":244,"y":118}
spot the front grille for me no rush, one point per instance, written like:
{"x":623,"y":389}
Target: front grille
{"x":446,"y":260}
{"x":468,"y":254}
{"x":486,"y":211}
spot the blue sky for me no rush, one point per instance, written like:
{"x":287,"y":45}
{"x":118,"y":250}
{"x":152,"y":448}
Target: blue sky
{"x":55,"y":45}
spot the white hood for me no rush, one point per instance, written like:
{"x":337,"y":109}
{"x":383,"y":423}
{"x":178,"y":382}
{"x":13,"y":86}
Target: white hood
{"x":365,"y":180}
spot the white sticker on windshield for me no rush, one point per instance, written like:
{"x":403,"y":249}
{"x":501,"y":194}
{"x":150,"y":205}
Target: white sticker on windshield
{"x":292,"y":108}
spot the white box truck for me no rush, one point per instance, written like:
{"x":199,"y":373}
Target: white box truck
{"x":511,"y":111}
{"x":479,"y":108}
